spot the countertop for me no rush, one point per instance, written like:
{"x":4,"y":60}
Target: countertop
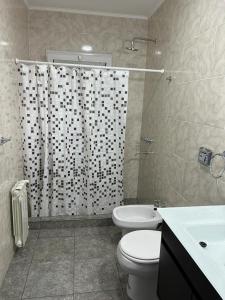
{"x":201,"y":223}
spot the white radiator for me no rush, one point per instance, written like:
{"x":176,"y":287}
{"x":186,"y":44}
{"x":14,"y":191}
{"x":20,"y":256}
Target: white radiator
{"x":20,"y":213}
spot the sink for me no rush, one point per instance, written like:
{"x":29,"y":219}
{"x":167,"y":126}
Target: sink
{"x":210,"y":232}
{"x":213,"y":234}
{"x":205,"y":224}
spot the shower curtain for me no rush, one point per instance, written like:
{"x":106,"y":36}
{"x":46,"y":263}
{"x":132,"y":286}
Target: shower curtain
{"x":73,"y":123}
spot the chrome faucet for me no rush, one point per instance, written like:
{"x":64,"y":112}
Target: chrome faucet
{"x":157,"y":203}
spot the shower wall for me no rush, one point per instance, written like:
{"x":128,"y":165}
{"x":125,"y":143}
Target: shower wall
{"x":68,"y":31}
{"x":189,"y":112}
{"x":13,"y":43}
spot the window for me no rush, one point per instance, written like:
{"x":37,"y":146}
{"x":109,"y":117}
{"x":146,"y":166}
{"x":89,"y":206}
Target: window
{"x":100,"y":59}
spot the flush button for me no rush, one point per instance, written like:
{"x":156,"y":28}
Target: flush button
{"x":203,"y":244}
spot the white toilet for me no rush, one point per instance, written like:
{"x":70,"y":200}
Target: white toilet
{"x":138,"y":255}
{"x":136,"y":217}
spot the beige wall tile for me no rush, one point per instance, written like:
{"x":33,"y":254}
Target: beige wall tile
{"x":13,"y":32}
{"x":189,"y":112}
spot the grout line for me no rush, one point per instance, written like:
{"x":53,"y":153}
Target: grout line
{"x":28,"y":271}
{"x":120,"y":280}
{"x":73,"y":264}
{"x":199,"y":79}
{"x":41,"y":298}
{"x":55,"y":237}
{"x":38,"y":235}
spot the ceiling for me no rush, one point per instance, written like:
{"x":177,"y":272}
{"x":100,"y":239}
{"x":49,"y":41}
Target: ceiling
{"x":119,"y":8}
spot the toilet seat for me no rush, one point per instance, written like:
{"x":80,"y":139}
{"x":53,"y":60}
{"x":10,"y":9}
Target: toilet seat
{"x":142,"y":246}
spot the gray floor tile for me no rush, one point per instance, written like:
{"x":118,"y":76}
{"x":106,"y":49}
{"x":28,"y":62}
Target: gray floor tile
{"x":54,"y":249}
{"x":70,"y":297}
{"x":98,"y":230}
{"x":104,"y":295}
{"x":14,"y":281}
{"x":33,"y":234}
{"x":124,"y":291}
{"x":61,"y":232}
{"x":49,"y":279}
{"x":98,"y":274}
{"x":25,"y":254}
{"x":123,"y":276}
{"x":93,"y":247}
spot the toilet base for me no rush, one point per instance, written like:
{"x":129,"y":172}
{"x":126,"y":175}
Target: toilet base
{"x":139,"y":288}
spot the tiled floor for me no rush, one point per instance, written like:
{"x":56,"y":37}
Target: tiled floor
{"x":69,"y":264}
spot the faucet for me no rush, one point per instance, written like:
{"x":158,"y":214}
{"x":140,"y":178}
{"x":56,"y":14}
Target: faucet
{"x":157,"y":203}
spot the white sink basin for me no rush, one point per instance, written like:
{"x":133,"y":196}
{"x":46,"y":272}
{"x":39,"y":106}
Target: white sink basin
{"x":210,"y":232}
{"x":213,"y":234}
{"x":136,"y":217}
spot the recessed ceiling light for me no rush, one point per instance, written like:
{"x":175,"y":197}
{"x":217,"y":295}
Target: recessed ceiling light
{"x":87,"y":48}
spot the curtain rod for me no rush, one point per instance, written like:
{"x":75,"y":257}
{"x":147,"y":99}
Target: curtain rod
{"x":162,"y":71}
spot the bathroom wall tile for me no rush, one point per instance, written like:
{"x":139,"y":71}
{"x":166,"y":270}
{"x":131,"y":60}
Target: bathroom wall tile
{"x":220,"y":188}
{"x":214,"y":98}
{"x":199,"y":187}
{"x":190,"y":62}
{"x":145,"y":185}
{"x":175,"y":171}
{"x":13,"y":32}
{"x":131,"y":169}
{"x":188,"y":112}
{"x":219,"y":59}
{"x":205,"y":44}
{"x":98,"y":274}
{"x":180,"y":136}
{"x":174,"y":199}
{"x":132,"y":150}
{"x":212,"y":14}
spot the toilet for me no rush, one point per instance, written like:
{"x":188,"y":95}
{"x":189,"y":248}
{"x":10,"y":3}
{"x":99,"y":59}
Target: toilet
{"x":138,"y":255}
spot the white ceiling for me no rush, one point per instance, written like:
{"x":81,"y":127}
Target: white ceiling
{"x":120,"y":8}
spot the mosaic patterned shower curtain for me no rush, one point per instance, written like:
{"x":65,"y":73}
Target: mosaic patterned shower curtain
{"x":73,"y":123}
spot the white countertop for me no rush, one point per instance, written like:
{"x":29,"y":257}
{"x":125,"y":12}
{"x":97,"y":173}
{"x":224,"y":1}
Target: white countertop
{"x":201,"y":223}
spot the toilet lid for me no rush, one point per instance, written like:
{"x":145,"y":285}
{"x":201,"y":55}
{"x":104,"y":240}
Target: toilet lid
{"x":142,"y":244}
